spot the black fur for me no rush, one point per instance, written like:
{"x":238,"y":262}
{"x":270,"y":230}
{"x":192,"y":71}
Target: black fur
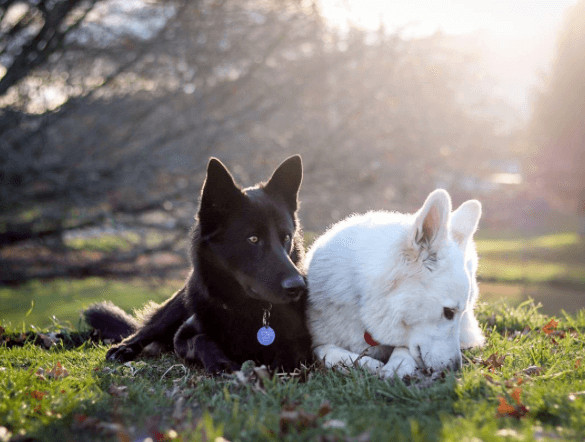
{"x":246,"y":250}
{"x":114,"y":323}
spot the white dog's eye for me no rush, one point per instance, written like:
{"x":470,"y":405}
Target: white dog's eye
{"x":449,"y":313}
{"x":253,"y":239}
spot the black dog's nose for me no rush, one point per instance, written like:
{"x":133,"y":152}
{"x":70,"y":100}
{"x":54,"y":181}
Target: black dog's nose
{"x":294,"y":286}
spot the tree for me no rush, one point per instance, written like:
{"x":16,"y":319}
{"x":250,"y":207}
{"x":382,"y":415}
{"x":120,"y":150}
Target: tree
{"x":126,"y":150}
{"x":558,"y":123}
{"x":105,"y":180}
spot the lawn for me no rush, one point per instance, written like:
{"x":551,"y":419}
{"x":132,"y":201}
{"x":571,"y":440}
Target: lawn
{"x":547,"y":268}
{"x":41,"y":303}
{"x":528,"y":382}
{"x":552,"y":259}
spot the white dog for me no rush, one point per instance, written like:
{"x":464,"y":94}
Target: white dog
{"x":404,"y":281}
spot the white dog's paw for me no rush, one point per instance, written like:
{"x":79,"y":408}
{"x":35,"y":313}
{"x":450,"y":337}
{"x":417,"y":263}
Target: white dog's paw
{"x":401,"y":364}
{"x":371,"y":364}
{"x":340,"y":358}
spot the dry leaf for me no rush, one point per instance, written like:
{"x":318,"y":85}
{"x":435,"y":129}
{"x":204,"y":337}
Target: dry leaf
{"x":324,"y":409}
{"x":293,"y":418}
{"x":533,"y":370}
{"x":518,"y":411}
{"x":48,"y":340}
{"x":40,"y":373}
{"x":57,"y":372}
{"x":493,"y":361}
{"x":91,"y":423}
{"x":550,"y":326}
{"x":516,"y":395}
{"x":491,"y":380}
{"x":505,"y":408}
{"x":513,"y":382}
{"x":38,"y":395}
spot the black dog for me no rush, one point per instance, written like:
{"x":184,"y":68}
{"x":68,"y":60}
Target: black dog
{"x":245,"y":288}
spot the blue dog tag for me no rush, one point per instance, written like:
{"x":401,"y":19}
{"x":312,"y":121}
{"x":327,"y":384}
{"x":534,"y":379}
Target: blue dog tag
{"x":265,"y":335}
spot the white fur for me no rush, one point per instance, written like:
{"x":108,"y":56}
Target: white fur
{"x":392,"y":274}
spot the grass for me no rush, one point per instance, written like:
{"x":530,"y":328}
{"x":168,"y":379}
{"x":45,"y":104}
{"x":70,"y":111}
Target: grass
{"x":37,"y":302}
{"x":550,"y":259}
{"x":164,"y":400}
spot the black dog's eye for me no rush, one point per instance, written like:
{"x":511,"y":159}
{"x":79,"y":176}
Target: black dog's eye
{"x":449,"y":313}
{"x":286,"y":238}
{"x":253,"y":239}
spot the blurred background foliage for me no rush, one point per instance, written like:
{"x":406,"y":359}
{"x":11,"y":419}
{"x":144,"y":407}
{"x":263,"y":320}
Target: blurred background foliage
{"x":111,"y":109}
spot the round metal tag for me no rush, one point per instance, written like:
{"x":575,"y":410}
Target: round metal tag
{"x":266,"y":335}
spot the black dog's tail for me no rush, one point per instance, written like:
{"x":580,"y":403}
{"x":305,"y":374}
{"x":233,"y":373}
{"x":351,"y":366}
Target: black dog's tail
{"x":110,"y":321}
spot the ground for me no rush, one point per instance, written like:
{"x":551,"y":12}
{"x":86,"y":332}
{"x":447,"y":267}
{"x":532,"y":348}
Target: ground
{"x":528,"y":382}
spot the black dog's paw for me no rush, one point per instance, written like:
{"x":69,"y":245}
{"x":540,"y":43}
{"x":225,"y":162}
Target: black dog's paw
{"x":121,"y":353}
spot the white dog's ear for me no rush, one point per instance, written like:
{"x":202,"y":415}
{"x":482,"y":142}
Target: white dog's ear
{"x":464,"y":221}
{"x":431,"y":224}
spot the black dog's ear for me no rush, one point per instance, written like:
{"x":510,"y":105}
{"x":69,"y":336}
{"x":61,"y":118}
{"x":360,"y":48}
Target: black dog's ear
{"x":219,"y":189}
{"x":286,"y":181}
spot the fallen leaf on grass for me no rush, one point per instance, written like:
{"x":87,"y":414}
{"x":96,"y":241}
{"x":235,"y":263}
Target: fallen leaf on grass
{"x":518,"y":333}
{"x":533,"y":370}
{"x":518,"y":410}
{"x":84,"y":422}
{"x":40,"y":373}
{"x":48,"y":340}
{"x":550,"y":326}
{"x":57,"y":372}
{"x":514,"y":382}
{"x":577,"y":363}
{"x":516,"y":395}
{"x":324,"y":409}
{"x":298,"y":419}
{"x":491,"y":380}
{"x":38,"y":395}
{"x":492,"y":362}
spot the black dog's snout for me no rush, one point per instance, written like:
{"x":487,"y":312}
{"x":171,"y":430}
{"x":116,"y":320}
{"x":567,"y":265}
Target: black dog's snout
{"x":294,"y":286}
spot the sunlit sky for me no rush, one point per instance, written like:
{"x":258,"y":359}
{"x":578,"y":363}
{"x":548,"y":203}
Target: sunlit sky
{"x":518,"y":36}
{"x":452,"y":16}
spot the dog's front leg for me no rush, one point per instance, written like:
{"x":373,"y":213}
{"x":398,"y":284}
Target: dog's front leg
{"x":401,"y":363}
{"x":332,"y":355}
{"x":196,"y":347}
